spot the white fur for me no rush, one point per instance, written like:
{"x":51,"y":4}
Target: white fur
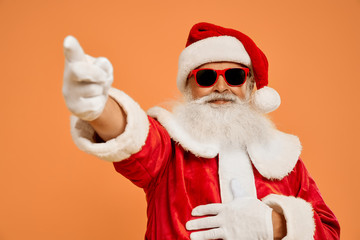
{"x":234,"y":164}
{"x":234,"y":123}
{"x":266,"y":99}
{"x":121,"y":147}
{"x":298,"y":213}
{"x":223,"y":48}
{"x":198,"y":127}
{"x":181,"y":136}
{"x":274,"y":156}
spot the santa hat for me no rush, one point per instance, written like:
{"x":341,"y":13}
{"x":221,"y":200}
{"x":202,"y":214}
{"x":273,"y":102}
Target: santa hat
{"x":210,"y":43}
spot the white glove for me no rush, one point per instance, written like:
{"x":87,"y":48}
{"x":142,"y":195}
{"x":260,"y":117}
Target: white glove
{"x":243,"y":218}
{"x":87,"y":81}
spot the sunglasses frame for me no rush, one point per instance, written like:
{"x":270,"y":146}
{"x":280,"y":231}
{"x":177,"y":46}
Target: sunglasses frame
{"x":219,"y":73}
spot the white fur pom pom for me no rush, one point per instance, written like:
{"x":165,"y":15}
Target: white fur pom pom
{"x":266,"y":99}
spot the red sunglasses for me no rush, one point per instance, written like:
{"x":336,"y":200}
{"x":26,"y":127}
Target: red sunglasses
{"x":207,"y":77}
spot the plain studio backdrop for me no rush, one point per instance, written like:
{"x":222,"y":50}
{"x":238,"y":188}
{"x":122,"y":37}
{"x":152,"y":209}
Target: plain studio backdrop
{"x":51,"y":190}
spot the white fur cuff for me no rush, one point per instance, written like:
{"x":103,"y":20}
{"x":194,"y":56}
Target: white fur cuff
{"x":122,"y":147}
{"x":298,"y":214}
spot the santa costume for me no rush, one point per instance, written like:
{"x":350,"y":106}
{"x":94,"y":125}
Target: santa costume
{"x":178,"y":172}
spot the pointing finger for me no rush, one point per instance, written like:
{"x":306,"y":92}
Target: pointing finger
{"x":72,"y":50}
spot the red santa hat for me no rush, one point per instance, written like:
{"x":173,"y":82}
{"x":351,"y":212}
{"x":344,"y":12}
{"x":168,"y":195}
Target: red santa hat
{"x":210,"y":43}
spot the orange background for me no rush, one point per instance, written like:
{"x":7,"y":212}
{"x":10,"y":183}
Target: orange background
{"x":51,"y":190}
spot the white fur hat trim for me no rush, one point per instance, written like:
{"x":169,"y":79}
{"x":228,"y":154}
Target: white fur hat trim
{"x":212,"y":49}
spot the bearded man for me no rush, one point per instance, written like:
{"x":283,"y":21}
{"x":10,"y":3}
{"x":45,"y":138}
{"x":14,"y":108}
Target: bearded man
{"x":213,"y":168}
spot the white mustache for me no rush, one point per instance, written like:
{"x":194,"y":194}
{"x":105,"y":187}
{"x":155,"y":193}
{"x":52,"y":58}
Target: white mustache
{"x":217,"y":96}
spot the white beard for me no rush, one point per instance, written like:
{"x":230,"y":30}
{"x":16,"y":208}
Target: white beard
{"x":234,"y":124}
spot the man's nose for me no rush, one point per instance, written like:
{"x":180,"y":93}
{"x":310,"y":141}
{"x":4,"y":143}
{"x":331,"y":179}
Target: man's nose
{"x":221,"y":85}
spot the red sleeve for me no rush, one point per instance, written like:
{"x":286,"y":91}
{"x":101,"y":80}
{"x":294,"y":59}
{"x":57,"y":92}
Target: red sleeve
{"x":143,"y":167}
{"x":326,"y":224}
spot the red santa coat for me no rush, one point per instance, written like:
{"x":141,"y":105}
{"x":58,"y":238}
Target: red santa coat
{"x":177,"y":176}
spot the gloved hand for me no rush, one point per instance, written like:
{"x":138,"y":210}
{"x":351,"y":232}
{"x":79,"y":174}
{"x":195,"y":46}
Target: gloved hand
{"x":243,"y":218}
{"x":87,"y":81}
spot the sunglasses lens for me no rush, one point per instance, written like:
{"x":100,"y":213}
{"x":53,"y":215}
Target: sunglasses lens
{"x":235,"y":76}
{"x":206,"y":77}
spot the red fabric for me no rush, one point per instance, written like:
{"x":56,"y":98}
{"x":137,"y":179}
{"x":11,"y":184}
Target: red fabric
{"x":176,"y":181}
{"x":259,"y":61}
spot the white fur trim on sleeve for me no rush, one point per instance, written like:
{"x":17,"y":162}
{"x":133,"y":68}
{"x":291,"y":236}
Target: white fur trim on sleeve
{"x":298,"y":214}
{"x":122,"y":147}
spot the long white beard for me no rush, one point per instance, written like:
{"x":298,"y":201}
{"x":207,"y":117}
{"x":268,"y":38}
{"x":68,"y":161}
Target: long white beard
{"x":232,"y":124}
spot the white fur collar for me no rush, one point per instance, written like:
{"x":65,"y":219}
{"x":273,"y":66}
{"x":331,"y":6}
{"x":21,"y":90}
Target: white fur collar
{"x":274,"y":157}
{"x":178,"y":134}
